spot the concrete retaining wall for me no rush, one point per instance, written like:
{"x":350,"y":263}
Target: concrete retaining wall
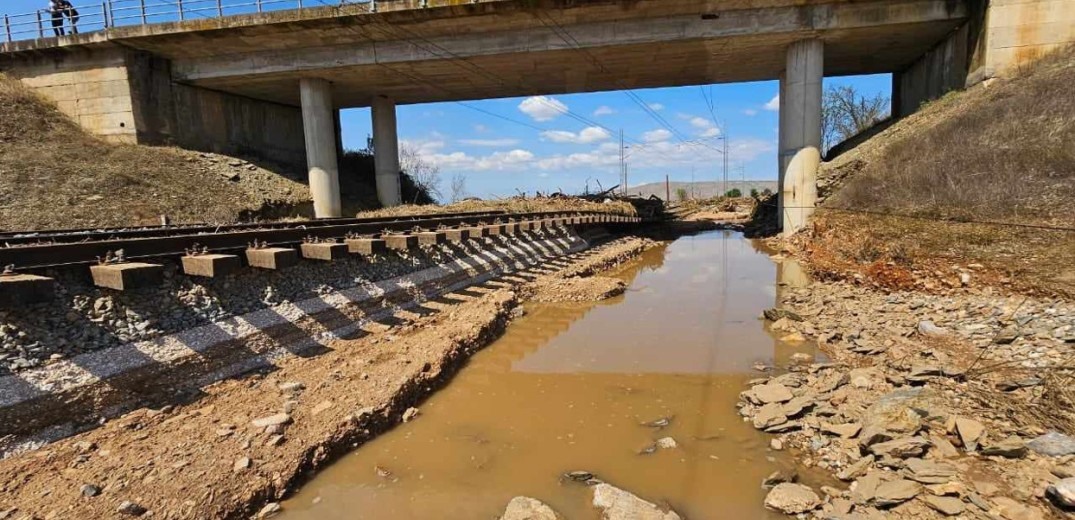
{"x":996,"y":41}
{"x":128,"y":96}
{"x":939,"y":71}
{"x":209,"y":121}
{"x":92,"y":88}
{"x":1018,"y":32}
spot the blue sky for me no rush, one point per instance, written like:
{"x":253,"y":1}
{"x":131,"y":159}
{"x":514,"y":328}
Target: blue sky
{"x":505,"y":145}
{"x":535,"y":145}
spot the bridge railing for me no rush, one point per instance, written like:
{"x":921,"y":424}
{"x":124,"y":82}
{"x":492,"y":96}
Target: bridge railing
{"x":103,"y":15}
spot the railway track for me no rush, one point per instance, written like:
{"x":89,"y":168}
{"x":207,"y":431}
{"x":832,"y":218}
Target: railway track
{"x":24,"y":251}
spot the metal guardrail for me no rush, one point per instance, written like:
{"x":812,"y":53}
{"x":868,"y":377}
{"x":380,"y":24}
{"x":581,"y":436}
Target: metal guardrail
{"x":117,"y":13}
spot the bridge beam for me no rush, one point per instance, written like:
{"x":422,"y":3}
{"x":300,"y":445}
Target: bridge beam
{"x":386,"y":151}
{"x":800,"y":132}
{"x":319,"y":127}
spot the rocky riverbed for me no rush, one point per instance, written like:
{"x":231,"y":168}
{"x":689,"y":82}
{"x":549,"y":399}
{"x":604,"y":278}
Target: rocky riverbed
{"x":928,"y":406}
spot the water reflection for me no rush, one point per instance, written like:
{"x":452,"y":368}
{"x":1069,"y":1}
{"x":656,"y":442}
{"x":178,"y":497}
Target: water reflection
{"x":567,"y":388}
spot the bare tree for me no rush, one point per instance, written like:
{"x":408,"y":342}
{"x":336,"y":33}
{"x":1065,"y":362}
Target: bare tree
{"x":425,"y":174}
{"x":458,"y":189}
{"x":845,"y":112}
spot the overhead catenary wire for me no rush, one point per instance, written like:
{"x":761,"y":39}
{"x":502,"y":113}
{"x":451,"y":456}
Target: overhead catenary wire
{"x":462,"y":62}
{"x":572,"y":42}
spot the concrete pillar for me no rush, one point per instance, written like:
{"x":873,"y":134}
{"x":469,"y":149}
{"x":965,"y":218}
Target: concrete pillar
{"x":319,"y":127}
{"x":800,"y":132}
{"x":386,"y":151}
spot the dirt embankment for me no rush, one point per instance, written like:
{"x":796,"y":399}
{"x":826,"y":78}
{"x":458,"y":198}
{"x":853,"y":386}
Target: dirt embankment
{"x":55,"y":175}
{"x":974,"y":190}
{"x":246,"y":442}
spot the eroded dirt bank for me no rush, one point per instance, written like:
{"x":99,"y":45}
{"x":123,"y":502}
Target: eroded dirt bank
{"x":933,"y":405}
{"x":244,"y":443}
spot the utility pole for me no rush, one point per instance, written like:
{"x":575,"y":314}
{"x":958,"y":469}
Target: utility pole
{"x":725,"y":163}
{"x":623,"y":167}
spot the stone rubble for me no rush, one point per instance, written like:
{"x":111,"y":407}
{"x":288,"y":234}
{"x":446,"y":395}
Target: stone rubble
{"x":904,"y":411}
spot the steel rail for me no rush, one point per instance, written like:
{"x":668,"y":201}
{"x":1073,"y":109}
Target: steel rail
{"x":88,"y":253}
{"x":15,"y":238}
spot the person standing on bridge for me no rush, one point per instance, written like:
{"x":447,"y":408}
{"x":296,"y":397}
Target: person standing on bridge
{"x":56,"y":10}
{"x":71,"y":13}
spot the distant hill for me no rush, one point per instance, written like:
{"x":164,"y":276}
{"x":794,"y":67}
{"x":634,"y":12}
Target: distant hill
{"x":699,"y":190}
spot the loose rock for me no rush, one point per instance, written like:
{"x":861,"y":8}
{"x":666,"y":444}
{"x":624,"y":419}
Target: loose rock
{"x":792,"y":499}
{"x":1053,"y":444}
{"x":1062,"y":493}
{"x":131,"y":509}
{"x":895,"y":492}
{"x":526,"y":508}
{"x":948,"y":506}
{"x":617,"y":504}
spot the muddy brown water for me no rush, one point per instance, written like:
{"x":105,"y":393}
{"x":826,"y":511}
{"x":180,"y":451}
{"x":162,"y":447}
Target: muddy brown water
{"x":567,"y":388}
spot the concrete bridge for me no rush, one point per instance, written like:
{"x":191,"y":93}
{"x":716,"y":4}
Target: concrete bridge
{"x":271,"y":84}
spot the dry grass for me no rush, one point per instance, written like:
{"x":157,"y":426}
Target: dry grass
{"x":54,"y":175}
{"x":1000,"y":152}
{"x":933,"y":195}
{"x":910,"y":253}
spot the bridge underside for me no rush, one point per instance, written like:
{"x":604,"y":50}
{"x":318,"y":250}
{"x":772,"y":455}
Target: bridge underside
{"x":699,"y":62}
{"x":499,"y":49}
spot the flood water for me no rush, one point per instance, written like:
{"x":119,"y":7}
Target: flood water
{"x":567,"y":388}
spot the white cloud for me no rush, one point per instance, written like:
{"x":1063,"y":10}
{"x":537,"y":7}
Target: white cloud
{"x":710,"y":132}
{"x":750,"y":112}
{"x":701,"y":123}
{"x":480,"y":128}
{"x":656,"y":136}
{"x":504,"y":160}
{"x":542,"y":108}
{"x":603,"y":110}
{"x":656,"y":107}
{"x":663,"y":154}
{"x":774,"y":104}
{"x":492,"y":143}
{"x":590,"y":134}
{"x":424,"y":147}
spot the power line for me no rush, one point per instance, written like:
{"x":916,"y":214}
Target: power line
{"x":468,"y":65}
{"x":570,"y":40}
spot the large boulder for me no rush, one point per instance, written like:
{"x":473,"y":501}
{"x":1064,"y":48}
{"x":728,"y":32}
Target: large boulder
{"x":526,"y":508}
{"x":617,"y":504}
